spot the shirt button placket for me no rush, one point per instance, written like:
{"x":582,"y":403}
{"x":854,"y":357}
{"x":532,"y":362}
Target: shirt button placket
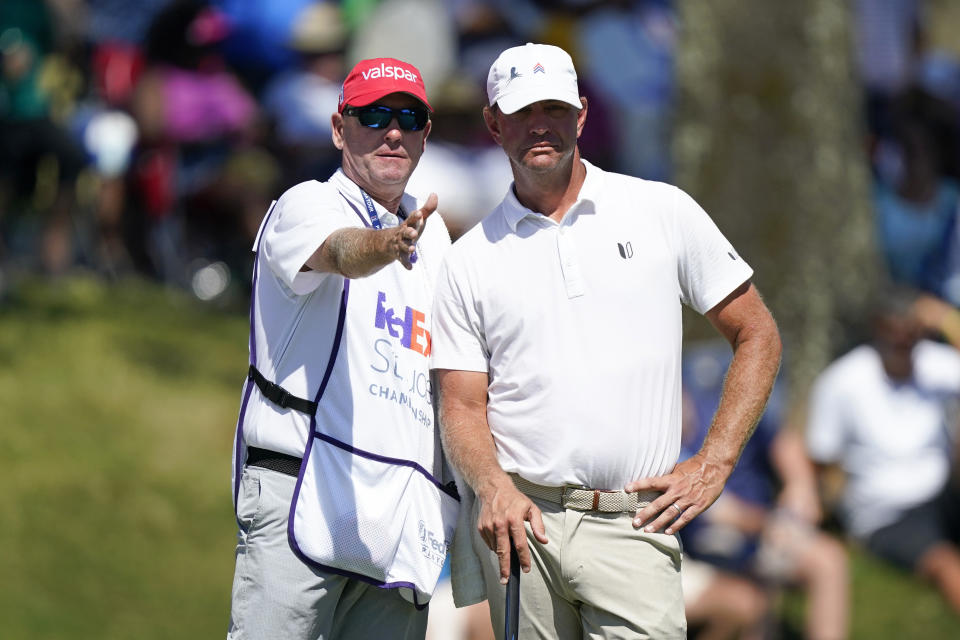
{"x":569,"y":264}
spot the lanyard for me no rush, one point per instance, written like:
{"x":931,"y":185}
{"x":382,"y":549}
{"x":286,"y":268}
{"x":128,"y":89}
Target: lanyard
{"x":375,"y":219}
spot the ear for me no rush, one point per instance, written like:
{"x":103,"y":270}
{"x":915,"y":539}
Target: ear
{"x":426,"y":132}
{"x":336,"y":130}
{"x":490,"y":119}
{"x":581,"y":116}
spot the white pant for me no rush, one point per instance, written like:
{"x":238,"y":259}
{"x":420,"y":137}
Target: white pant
{"x":597,"y":577}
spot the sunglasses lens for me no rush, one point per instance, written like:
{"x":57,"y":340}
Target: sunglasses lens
{"x":412,"y":119}
{"x":380,"y":117}
{"x":375,"y":117}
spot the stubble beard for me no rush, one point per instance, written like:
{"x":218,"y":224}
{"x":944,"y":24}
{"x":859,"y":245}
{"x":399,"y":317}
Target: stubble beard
{"x":544,"y":163}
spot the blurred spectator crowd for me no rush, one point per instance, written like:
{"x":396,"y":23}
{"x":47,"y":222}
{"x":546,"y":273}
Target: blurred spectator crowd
{"x":911,"y":79}
{"x":150,"y":137}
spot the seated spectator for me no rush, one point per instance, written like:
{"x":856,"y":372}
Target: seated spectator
{"x":764,"y":525}
{"x":722,"y":604}
{"x":885,"y":414}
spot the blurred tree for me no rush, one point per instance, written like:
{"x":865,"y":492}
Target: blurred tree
{"x":769,"y":140}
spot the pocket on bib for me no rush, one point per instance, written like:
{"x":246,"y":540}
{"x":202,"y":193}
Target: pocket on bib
{"x":383,"y":519}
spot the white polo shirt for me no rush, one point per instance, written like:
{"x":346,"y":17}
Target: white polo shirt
{"x":578,"y":326}
{"x":893,"y":440}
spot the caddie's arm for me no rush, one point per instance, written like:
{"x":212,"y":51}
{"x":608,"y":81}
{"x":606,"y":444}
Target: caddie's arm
{"x":694,"y":484}
{"x":469,"y":446}
{"x":357,"y":253}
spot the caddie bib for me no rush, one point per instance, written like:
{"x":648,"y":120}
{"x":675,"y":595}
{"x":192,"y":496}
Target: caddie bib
{"x":368,"y":502}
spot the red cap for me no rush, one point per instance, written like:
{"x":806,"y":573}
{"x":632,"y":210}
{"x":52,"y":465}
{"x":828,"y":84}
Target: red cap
{"x":370,"y":80}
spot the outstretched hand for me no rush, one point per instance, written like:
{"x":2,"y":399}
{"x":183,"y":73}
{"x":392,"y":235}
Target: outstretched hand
{"x":688,"y":490}
{"x":411,"y":229}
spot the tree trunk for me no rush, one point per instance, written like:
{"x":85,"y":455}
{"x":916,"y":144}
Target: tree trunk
{"x":769,"y":140}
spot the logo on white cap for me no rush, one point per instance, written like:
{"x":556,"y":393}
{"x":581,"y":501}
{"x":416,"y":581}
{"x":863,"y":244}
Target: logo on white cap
{"x":523,"y":75}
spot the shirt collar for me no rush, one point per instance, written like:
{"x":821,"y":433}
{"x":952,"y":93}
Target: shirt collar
{"x":351,"y":190}
{"x":590,"y":191}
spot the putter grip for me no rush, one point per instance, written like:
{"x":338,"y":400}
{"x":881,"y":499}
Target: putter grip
{"x":512,"y":617}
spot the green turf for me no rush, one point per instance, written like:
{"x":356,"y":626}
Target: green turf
{"x":886,"y":603}
{"x":117,"y":410}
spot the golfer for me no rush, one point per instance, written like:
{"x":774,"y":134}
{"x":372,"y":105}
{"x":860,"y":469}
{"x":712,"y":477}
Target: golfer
{"x":557,"y":339}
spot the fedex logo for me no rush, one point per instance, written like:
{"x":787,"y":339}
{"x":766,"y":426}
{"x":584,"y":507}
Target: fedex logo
{"x":410,"y":328}
{"x":389,"y":72}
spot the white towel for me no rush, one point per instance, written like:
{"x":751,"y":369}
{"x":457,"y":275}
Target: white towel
{"x":466,"y":574}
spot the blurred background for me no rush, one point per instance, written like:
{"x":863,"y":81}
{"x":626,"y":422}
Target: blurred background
{"x":142,"y":142}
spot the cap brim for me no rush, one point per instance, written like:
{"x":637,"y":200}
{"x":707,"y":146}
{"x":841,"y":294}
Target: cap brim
{"x":363,"y":99}
{"x":516,"y":100}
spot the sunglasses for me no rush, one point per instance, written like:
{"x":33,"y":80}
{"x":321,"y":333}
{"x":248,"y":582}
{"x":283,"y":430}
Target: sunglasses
{"x":377,"y":117}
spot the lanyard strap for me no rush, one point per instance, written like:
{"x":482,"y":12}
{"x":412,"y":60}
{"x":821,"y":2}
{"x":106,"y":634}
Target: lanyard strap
{"x":371,"y":210}
{"x":375,"y":219}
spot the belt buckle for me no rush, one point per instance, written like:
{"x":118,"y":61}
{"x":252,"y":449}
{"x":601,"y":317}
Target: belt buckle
{"x":566,"y":495}
{"x":596,"y":500}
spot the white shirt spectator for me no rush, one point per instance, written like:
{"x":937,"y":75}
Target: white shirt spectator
{"x":892,"y":439}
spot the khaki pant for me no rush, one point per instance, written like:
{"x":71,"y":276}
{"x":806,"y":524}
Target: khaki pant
{"x":598,"y":577}
{"x":275,"y":595}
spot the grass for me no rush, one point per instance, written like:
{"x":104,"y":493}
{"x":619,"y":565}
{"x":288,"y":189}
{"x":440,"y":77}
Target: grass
{"x":117,"y":411}
{"x":886,"y":603}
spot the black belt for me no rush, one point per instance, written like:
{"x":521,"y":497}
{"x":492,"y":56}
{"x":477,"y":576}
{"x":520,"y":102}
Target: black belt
{"x":280,"y":396}
{"x":274,"y":461}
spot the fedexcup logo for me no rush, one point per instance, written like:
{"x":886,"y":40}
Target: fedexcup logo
{"x":383,"y":71}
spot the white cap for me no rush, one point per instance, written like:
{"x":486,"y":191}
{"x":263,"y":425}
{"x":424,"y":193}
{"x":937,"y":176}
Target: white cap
{"x":528,"y":74}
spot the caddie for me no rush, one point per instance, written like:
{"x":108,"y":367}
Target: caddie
{"x":343,"y":506}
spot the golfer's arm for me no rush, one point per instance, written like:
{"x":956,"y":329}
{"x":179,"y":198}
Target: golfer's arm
{"x":744,"y":320}
{"x":353,"y":253}
{"x":464,"y":430}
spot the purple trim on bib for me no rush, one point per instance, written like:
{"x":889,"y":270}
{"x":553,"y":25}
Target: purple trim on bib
{"x":248,"y":387}
{"x":363,"y":578}
{"x":253,"y":294}
{"x":400,"y":462}
{"x":238,"y":464}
